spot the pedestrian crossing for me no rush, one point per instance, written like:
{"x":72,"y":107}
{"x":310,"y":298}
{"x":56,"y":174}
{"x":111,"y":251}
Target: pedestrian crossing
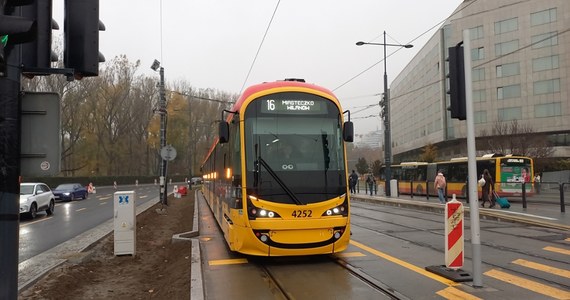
{"x":539,"y":288}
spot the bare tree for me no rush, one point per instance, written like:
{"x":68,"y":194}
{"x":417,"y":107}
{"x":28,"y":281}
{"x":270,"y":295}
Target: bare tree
{"x":429,"y":153}
{"x":514,"y":138}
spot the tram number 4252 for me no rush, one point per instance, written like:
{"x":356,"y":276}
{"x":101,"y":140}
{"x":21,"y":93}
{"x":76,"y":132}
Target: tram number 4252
{"x":302,"y":213}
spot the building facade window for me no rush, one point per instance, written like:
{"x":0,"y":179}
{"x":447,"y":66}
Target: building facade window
{"x":509,"y":91}
{"x":548,"y":110}
{"x":543,"y":17}
{"x":547,"y":86}
{"x":479,"y":95}
{"x":478,"y":53}
{"x":480,"y":117}
{"x":544,"y":40}
{"x":506,"y":47}
{"x":509,"y":113}
{"x":545,"y":63}
{"x":508,"y":69}
{"x":506,"y":25}
{"x":478,"y":74}
{"x":476,"y":33}
{"x":561,"y":139}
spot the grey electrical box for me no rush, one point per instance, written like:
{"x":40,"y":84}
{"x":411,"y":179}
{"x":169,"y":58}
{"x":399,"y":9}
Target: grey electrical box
{"x":40,"y":134}
{"x":125,"y":223}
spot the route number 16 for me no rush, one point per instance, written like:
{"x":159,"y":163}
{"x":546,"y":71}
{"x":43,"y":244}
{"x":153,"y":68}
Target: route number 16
{"x":270,"y":104}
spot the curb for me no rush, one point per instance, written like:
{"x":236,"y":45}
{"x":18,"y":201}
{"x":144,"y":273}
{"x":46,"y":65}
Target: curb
{"x":487,"y":214}
{"x":187,"y":236}
{"x":196,"y":282}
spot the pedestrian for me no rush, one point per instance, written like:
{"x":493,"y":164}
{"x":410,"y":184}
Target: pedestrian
{"x":537,"y":183}
{"x":352,"y":180}
{"x":439,"y":184}
{"x":369,"y":184}
{"x":487,"y":190}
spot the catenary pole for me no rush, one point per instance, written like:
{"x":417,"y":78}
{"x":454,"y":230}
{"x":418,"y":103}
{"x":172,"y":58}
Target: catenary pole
{"x":163,"y":120}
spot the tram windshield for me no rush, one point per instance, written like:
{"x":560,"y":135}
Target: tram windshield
{"x":294,"y":149}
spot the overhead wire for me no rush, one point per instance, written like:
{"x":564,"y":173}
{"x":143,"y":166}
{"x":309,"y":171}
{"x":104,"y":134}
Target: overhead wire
{"x":395,"y":51}
{"x":260,"y":45}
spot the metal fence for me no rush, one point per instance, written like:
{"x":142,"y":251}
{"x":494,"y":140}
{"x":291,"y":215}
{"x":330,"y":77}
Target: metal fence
{"x":548,"y":193}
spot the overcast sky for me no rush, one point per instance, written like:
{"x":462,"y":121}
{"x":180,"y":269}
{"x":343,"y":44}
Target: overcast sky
{"x":213,"y":43}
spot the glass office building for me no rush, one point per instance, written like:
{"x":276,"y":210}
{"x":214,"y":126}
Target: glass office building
{"x":520,"y":74}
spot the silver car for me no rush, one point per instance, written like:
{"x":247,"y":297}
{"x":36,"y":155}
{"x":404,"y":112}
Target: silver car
{"x":36,"y":197}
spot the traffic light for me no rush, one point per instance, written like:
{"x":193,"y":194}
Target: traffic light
{"x":3,"y":42}
{"x":456,"y":83}
{"x":81,"y":27}
{"x":14,"y":29}
{"x":36,"y":52}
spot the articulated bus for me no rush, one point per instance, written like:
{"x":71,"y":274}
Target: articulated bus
{"x":276,"y":178}
{"x":508,"y":173}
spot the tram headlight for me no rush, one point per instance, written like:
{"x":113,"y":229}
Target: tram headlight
{"x":340,"y":210}
{"x":263,"y":213}
{"x":256,"y":212}
{"x":336,"y":211}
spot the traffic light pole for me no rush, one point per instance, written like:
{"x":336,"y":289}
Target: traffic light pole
{"x":9,"y":176}
{"x":472,"y":165}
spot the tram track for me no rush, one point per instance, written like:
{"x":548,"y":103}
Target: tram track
{"x":439,"y":249}
{"x":309,"y":274}
{"x":273,"y":283}
{"x":369,"y":280}
{"x":487,"y":229}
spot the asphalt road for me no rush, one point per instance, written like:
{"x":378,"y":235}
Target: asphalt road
{"x":73,"y":218}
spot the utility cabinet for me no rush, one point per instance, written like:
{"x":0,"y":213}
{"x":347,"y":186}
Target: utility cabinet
{"x":125,"y":223}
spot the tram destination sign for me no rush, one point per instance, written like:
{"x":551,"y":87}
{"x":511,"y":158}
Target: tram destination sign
{"x":296,"y":106}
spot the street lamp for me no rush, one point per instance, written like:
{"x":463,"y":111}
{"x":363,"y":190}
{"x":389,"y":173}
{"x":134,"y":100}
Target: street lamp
{"x":162,"y":111}
{"x":387,"y":142}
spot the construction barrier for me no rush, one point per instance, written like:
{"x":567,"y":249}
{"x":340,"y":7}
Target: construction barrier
{"x":183,"y":190}
{"x":454,"y":247}
{"x":453,"y":244}
{"x":90,"y":188}
{"x":176,"y":193}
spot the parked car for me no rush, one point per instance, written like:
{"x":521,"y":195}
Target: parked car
{"x":36,"y":197}
{"x":196,"y":180}
{"x":70,"y":192}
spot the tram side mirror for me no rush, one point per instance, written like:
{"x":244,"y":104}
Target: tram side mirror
{"x":348,"y":132}
{"x":224,"y":132}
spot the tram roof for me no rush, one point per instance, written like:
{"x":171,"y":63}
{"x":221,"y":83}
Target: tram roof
{"x":293,"y":83}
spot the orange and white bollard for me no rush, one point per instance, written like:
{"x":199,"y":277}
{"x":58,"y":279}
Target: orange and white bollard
{"x":453,"y":244}
{"x":454,"y":248}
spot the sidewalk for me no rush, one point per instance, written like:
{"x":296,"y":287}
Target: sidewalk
{"x":538,"y":214}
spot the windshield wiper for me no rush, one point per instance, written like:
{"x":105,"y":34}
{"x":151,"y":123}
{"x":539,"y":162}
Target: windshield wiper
{"x":279,"y":181}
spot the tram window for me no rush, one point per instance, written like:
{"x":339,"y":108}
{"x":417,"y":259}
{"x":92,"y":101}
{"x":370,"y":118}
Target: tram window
{"x":458,"y":172}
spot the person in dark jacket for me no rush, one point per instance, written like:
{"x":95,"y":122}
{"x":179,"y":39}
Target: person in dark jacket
{"x":370,"y":181}
{"x":487,"y":190}
{"x":352,"y":180}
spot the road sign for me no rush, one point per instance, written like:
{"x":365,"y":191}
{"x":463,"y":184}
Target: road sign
{"x":45,"y":165}
{"x":168,"y":153}
{"x":40,"y":134}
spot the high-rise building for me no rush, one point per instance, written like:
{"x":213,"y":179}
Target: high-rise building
{"x":520,"y":57}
